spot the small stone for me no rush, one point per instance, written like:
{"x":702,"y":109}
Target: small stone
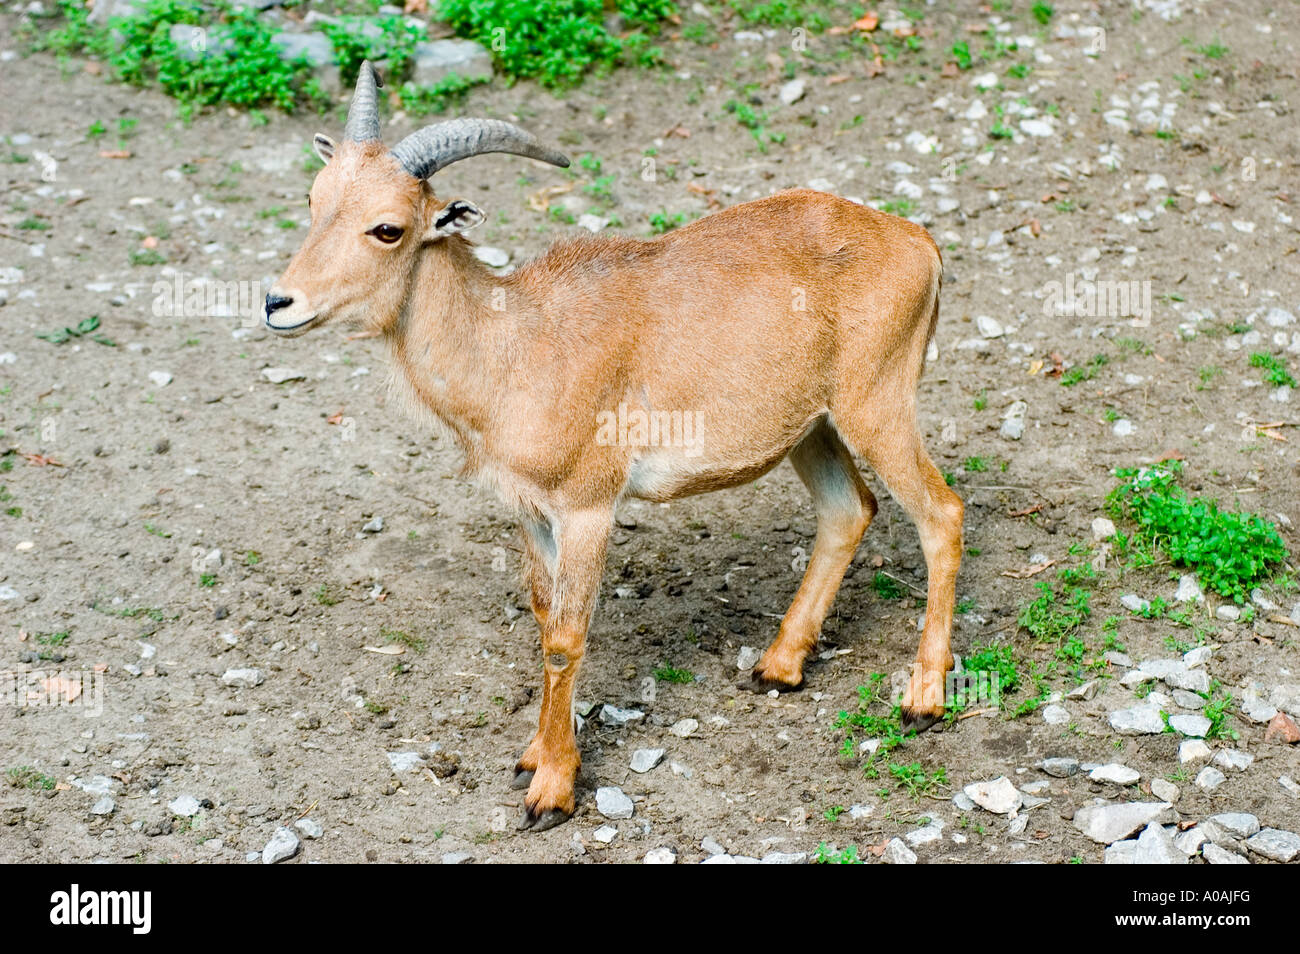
{"x":1188,"y":700}
{"x":1140,"y":720}
{"x":1197,"y":657}
{"x":401,"y":762}
{"x":1258,"y":710}
{"x":643,"y":760}
{"x":1123,"y":427}
{"x":1056,"y":715}
{"x":897,"y":853}
{"x":1134,"y":603}
{"x":281,"y":375}
{"x":1115,"y":773}
{"x":1109,"y":823}
{"x":1210,"y":778}
{"x":989,"y":327}
{"x":284,"y":844}
{"x":435,"y":60}
{"x":1290,"y":784}
{"x":1221,"y":856}
{"x":1061,"y":767}
{"x":747,"y":657}
{"x":1282,"y":730}
{"x":309,"y":827}
{"x":457,"y":858}
{"x":104,"y":806}
{"x":1192,"y":725}
{"x":1189,"y":842}
{"x":374,"y":526}
{"x":1102,"y":528}
{"x":1083,"y":692}
{"x":1164,"y":790}
{"x":684,"y":728}
{"x":1036,"y":127}
{"x":1157,"y":183}
{"x":785,"y":858}
{"x":1234,"y":759}
{"x":1235,"y":824}
{"x":1120,"y":853}
{"x":612,"y":803}
{"x":660,"y":856}
{"x":998,"y":796}
{"x":160,"y":378}
{"x":187,"y":806}
{"x":963,"y":802}
{"x":1193,"y":752}
{"x":243,"y":678}
{"x":494,"y":257}
{"x":614,"y":716}
{"x":1275,"y":844}
{"x":605,"y":834}
{"x":1227,"y":613}
{"x":1013,"y":421}
{"x":792,"y":92}
{"x":1189,"y":590}
{"x":1156,"y":847}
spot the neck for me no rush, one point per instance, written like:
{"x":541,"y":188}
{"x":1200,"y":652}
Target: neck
{"x":446,"y":342}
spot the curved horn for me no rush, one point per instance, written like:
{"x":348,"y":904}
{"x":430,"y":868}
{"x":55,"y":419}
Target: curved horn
{"x":363,"y":114}
{"x":435,"y":147}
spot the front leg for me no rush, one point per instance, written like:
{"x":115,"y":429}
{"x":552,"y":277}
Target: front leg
{"x":539,"y":561}
{"x":579,"y":562}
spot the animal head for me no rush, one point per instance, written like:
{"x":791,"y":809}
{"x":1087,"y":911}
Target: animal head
{"x":374,"y":214}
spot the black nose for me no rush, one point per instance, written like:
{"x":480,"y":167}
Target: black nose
{"x":276,"y":302}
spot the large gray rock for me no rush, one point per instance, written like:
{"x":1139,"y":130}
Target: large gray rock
{"x":1234,"y":824}
{"x":1221,"y":856}
{"x":436,"y":59}
{"x":1275,"y":844}
{"x":283,"y":845}
{"x":1106,"y":824}
{"x":613,"y":803}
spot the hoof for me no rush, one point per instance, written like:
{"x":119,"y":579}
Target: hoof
{"x":915,"y":720}
{"x":761,"y":684}
{"x":523,"y":778}
{"x":541,"y":821}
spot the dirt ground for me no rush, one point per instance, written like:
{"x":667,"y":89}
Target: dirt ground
{"x":113,"y":540}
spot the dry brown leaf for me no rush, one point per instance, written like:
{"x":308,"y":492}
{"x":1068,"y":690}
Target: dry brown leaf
{"x":62,"y":689}
{"x":1028,"y":571}
{"x":115,"y":154}
{"x":40,"y":460}
{"x":540,"y":200}
{"x":950,"y":71}
{"x":335,"y":418}
{"x":415,"y":6}
{"x":867,"y":23}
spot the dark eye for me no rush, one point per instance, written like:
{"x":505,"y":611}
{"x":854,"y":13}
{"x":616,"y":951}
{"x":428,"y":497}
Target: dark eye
{"x":387,"y":234}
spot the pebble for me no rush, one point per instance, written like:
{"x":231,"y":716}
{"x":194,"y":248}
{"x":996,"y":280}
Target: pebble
{"x":1056,"y":715}
{"x":660,"y":856}
{"x":785,"y":858}
{"x":748,"y":657}
{"x":1061,"y":767}
{"x":1134,"y":603}
{"x":1275,"y":844}
{"x":309,"y":827}
{"x":1227,"y":613}
{"x":1233,"y":824}
{"x":1013,"y":421}
{"x":1121,"y":853}
{"x":925,"y":835}
{"x":1282,"y":729}
{"x":104,"y":806}
{"x":612,"y":803}
{"x":1192,"y":725}
{"x":1123,"y":427}
{"x":1189,"y":842}
{"x":1109,"y":823}
{"x":1036,"y":127}
{"x":1198,"y":656}
{"x":643,"y":760}
{"x":1164,"y":790}
{"x":374,"y":526}
{"x":989,"y":327}
{"x":187,"y":806}
{"x":684,"y":728}
{"x":1221,"y":856}
{"x":457,"y":858}
{"x":160,"y":378}
{"x":494,"y":257}
{"x":998,"y":795}
{"x":605,"y":834}
{"x":1143,"y":719}
{"x":1156,"y":847}
{"x":792,"y":92}
{"x":284,"y":844}
{"x":614,"y":716}
{"x":281,"y":375}
{"x":243,"y":678}
{"x":1193,"y":751}
{"x":1188,"y":700}
{"x":1290,"y":784}
{"x":1258,"y":710}
{"x":1210,"y":778}
{"x":1115,"y":773}
{"x":401,"y":762}
{"x":1102,"y":528}
{"x":1234,"y":759}
{"x":1083,"y":692}
{"x":1189,"y":590}
{"x":897,"y":853}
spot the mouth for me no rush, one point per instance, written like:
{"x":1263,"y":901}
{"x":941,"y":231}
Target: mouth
{"x":291,"y":331}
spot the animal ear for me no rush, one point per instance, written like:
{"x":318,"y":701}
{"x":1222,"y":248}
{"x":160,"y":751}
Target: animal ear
{"x":456,"y":216}
{"x":324,"y":147}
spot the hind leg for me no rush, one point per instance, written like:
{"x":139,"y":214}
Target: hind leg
{"x":844,"y":508}
{"x":539,"y":558}
{"x":893,"y":449}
